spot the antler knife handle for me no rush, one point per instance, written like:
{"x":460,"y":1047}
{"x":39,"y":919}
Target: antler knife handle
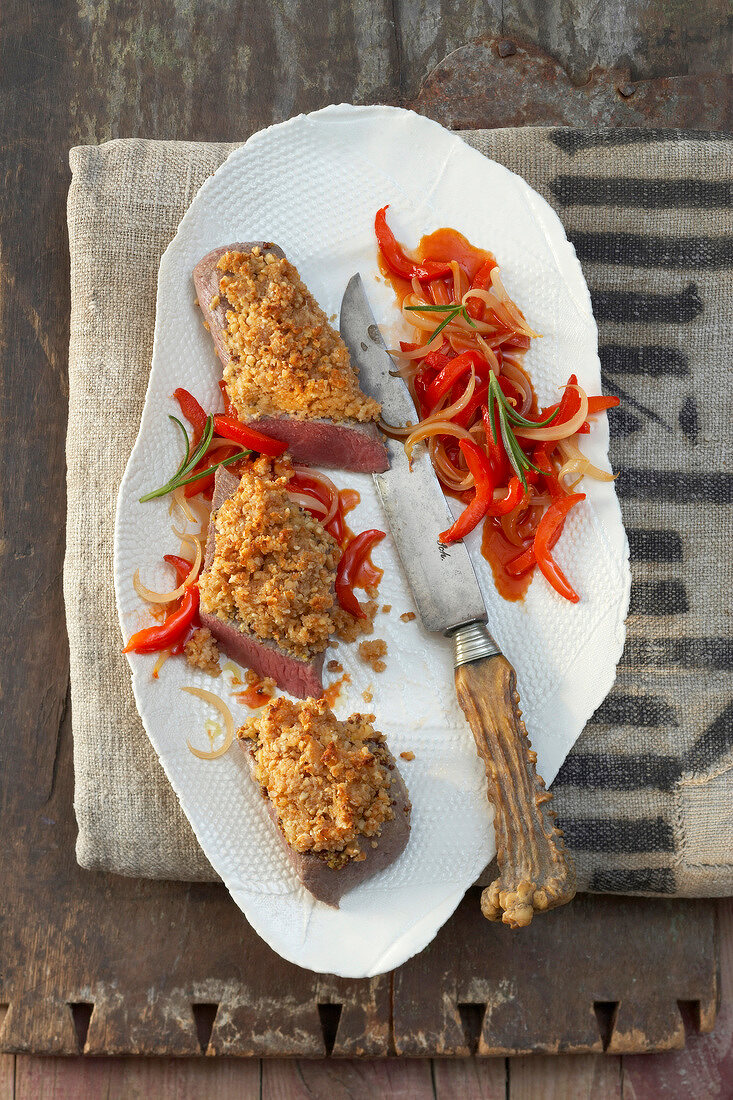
{"x":536,"y":872}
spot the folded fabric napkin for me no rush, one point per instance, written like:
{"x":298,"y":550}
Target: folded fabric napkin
{"x":645,"y":795}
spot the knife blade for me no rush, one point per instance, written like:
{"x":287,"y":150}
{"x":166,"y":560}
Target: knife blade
{"x":536,"y":872}
{"x":441,"y":578}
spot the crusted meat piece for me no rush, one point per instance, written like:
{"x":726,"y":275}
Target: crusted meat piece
{"x":300,"y":676}
{"x":286,"y":370}
{"x":284,"y":355}
{"x":202,"y":651}
{"x":274,"y":566}
{"x":333,"y":790}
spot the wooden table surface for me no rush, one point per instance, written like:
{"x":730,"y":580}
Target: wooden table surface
{"x":75,"y":72}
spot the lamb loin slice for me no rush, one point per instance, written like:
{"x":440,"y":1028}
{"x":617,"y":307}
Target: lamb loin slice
{"x":351,"y":445}
{"x":328,"y":884}
{"x":297,"y":677}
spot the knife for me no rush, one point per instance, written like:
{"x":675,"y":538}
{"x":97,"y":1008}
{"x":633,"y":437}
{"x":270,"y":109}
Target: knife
{"x":535,"y":870}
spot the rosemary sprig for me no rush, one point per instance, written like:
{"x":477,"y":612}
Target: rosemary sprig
{"x":190,"y":460}
{"x":452,"y":310}
{"x":508,"y":417}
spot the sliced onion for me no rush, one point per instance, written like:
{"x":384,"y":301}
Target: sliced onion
{"x":162,"y":658}
{"x":311,"y":504}
{"x":521,"y":382}
{"x":491,"y":359}
{"x":395,"y":431}
{"x":178,"y":500}
{"x":325,"y":483}
{"x":576,"y":460}
{"x":562,"y":431}
{"x":436,"y":427}
{"x":448,"y":473}
{"x":420,"y":353}
{"x":224,"y":711}
{"x":168,"y":597}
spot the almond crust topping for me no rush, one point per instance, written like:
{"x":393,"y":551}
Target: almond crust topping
{"x":286,"y":359}
{"x":328,"y":781}
{"x":274,"y":566}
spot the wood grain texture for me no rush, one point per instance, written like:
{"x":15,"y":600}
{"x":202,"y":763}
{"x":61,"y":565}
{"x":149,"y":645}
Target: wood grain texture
{"x":585,"y":1077}
{"x":704,"y":1069}
{"x":123,"y":1079}
{"x":142,"y":953}
{"x":334,"y":1080}
{"x":535,"y":871}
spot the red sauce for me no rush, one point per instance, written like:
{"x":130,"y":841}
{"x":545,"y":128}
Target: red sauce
{"x":253,"y":696}
{"x":497,"y":550}
{"x":443,"y":244}
{"x":449,"y":244}
{"x":333,"y":691}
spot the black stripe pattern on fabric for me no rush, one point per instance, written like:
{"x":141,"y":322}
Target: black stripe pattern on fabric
{"x":652,"y":545}
{"x":629,"y":306}
{"x":714,"y":743}
{"x":647,"y":880}
{"x":687,"y":653}
{"x":604,"y":834}
{"x":572,"y":141}
{"x":653,"y":194}
{"x":633,"y":710}
{"x":658,"y":598}
{"x":652,"y":360}
{"x":642,"y":250}
{"x":673,"y":486}
{"x":603,"y":771}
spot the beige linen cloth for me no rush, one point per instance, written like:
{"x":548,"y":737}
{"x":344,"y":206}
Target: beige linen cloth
{"x":645,"y":795}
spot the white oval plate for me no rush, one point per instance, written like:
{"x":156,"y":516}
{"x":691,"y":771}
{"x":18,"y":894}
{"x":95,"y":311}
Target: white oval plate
{"x":313,"y":185}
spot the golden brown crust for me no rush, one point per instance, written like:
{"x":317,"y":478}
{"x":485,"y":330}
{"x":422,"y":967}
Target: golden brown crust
{"x":274,"y":566}
{"x":201,"y":651}
{"x":285,"y":358}
{"x":328,"y":781}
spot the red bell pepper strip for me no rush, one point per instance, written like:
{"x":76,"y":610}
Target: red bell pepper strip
{"x":181,"y":566}
{"x":348,"y":568}
{"x":481,"y":281}
{"x":229,"y":409}
{"x":541,"y":459}
{"x":514,"y":496}
{"x":231,"y":428}
{"x":527,"y":559}
{"x":396,"y":259}
{"x":452,"y":371}
{"x":154,"y":638}
{"x":192,"y":412}
{"x":545,"y":538}
{"x":466,"y":415}
{"x":500,"y":465}
{"x":600,"y":404}
{"x":483,"y":497}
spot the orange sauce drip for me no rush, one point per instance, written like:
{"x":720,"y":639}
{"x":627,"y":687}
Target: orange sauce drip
{"x":443,"y":244}
{"x":253,"y":696}
{"x":333,"y":691}
{"x":497,"y":550}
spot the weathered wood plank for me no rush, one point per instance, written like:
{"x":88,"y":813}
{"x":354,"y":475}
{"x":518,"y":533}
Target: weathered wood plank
{"x":332,"y":1079}
{"x":123,"y":1078}
{"x":704,"y":1069}
{"x":470,"y":1078}
{"x":7,"y":1077}
{"x":569,"y":1077}
{"x":498,"y":984}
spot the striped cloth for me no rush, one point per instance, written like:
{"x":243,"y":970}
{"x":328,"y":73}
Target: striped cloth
{"x":645,"y":795}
